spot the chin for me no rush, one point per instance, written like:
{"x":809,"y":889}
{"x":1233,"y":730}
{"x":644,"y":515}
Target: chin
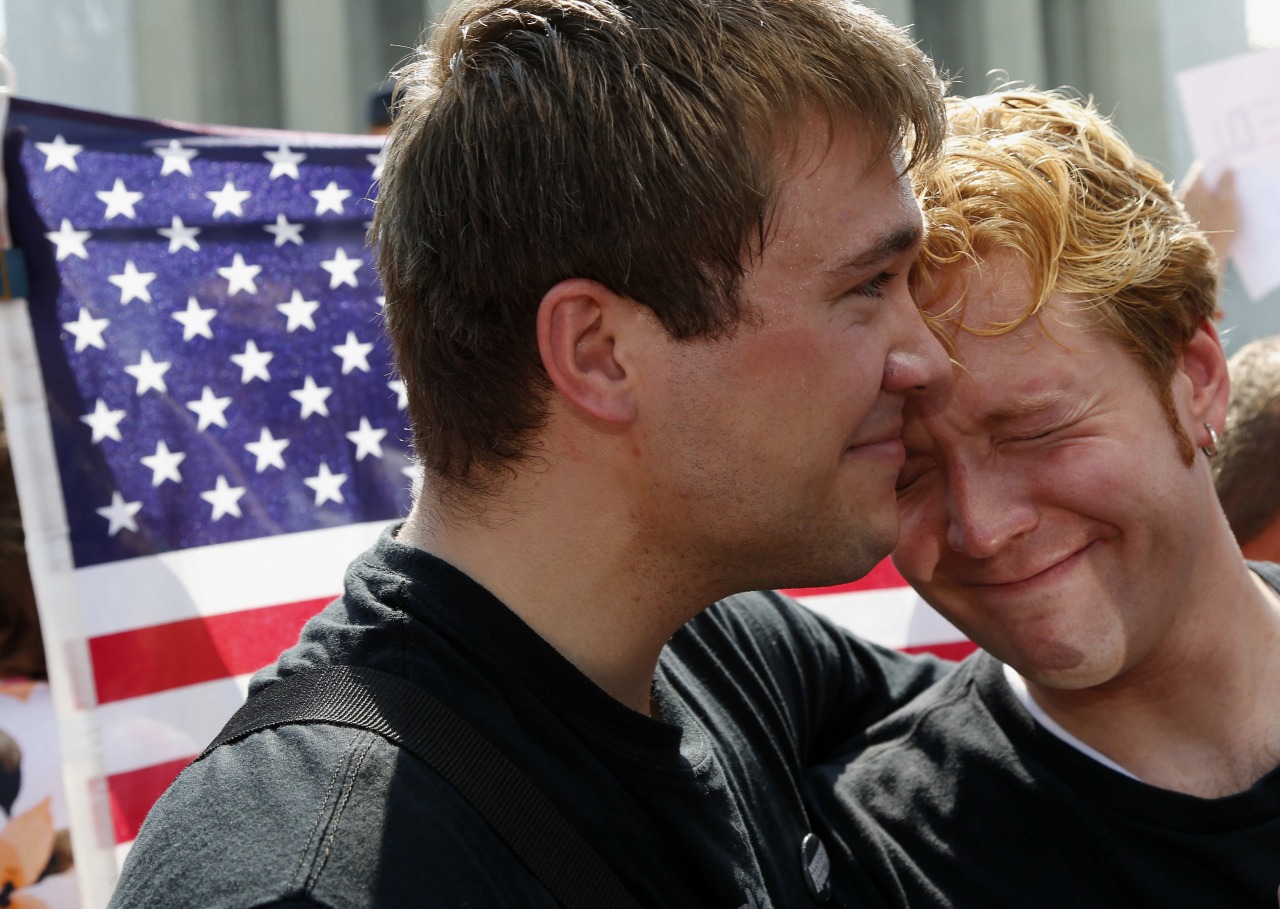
{"x":837,"y":567}
{"x":874,"y":546}
{"x":1063,"y":668}
{"x":837,"y":551}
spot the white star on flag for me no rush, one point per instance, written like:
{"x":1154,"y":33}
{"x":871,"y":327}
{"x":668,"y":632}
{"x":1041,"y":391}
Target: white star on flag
{"x":402,"y":394}
{"x":104,"y":422}
{"x":355,"y":354}
{"x":368,"y":441}
{"x":268,"y":450}
{"x":341,"y":269}
{"x":312,"y":397}
{"x":59,"y":153}
{"x":149,"y":373}
{"x":120,"y":200}
{"x":176,"y":158}
{"x":120,"y":514}
{"x":330,"y":198}
{"x":228,"y":200}
{"x":284,"y":231}
{"x":164,"y":464}
{"x":133,"y":283}
{"x":210,"y":408}
{"x":284,"y":163}
{"x":327,"y":485}
{"x":195,"y":321}
{"x":70,"y":242}
{"x":87,"y":330}
{"x":299,"y":312}
{"x":180,"y":236}
{"x":224,"y":498}
{"x":378,"y":161}
{"x":252,"y":363}
{"x":240,"y":276}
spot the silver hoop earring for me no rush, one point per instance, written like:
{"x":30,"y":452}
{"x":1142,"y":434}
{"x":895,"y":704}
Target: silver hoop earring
{"x":1211,"y":450}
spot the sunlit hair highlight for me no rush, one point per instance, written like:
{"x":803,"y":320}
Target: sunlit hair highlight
{"x":1047,"y":179}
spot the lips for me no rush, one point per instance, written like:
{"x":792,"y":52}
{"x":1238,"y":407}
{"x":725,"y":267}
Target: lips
{"x":891,"y":434}
{"x":1042,"y":570}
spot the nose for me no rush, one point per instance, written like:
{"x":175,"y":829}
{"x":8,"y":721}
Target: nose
{"x":919,"y":364}
{"x":986,"y":509}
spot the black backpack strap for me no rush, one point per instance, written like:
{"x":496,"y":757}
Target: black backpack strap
{"x":410,"y":717}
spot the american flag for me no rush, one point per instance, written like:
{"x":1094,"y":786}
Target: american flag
{"x":206,"y":427}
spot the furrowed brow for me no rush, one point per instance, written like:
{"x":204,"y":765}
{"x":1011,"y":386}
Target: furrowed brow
{"x":1028,"y":406}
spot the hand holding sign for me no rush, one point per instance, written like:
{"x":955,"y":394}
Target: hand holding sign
{"x":1233,"y":117}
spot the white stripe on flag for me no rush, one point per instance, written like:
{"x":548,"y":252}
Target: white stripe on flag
{"x":215,"y":580}
{"x":893,"y":616}
{"x":179,"y":723}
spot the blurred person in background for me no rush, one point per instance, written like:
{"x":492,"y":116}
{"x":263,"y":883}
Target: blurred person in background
{"x":379,"y":108}
{"x":21,"y":652}
{"x":1247,"y":469}
{"x":33,"y":845}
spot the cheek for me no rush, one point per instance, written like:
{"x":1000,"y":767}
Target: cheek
{"x":783,"y":349}
{"x":1093,"y":478}
{"x":788,"y":374}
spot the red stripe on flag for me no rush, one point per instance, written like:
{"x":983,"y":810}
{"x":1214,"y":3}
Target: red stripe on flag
{"x":882,"y":576}
{"x":132,"y":794}
{"x":948,"y":650}
{"x":143,"y":661}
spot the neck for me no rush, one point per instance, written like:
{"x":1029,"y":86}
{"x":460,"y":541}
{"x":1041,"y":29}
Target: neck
{"x":572,"y":562}
{"x":1200,"y":717}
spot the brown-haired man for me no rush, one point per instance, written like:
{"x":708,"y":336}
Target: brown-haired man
{"x":645,"y":266}
{"x":1117,"y":743}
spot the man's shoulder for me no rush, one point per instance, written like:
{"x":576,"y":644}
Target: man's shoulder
{"x":950,"y":724}
{"x":766,"y":619}
{"x":747,"y":613}
{"x":753,"y":639}
{"x":331,"y":815}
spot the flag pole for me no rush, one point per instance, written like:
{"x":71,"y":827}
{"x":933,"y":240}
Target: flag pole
{"x":45,"y":529}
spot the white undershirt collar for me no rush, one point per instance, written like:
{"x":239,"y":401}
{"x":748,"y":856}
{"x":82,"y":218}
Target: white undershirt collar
{"x":1019,"y":686}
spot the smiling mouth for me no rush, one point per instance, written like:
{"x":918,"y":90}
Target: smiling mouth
{"x":1048,"y":573}
{"x":890,"y":448}
{"x":887,"y":441}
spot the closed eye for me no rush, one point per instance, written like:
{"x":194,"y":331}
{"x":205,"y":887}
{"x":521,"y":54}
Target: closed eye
{"x":876,"y":286}
{"x":1033,"y":438}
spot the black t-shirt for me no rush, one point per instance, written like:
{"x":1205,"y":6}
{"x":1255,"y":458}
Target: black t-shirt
{"x":963,"y":800}
{"x":701,"y":807}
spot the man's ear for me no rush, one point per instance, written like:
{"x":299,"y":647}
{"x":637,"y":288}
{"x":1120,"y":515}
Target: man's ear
{"x":582,"y":333}
{"x":1204,"y":365}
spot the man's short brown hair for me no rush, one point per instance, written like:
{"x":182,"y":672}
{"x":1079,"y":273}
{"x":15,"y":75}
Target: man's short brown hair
{"x":632,"y":142}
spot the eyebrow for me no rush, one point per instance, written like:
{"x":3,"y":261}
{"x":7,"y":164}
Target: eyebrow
{"x":889,"y":245}
{"x":1028,"y":406}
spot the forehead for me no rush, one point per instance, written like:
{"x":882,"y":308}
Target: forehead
{"x":1051,"y":358}
{"x":838,"y":186}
